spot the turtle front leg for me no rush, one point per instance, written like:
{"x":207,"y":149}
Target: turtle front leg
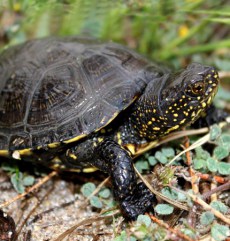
{"x":134,"y":198}
{"x":109,"y":157}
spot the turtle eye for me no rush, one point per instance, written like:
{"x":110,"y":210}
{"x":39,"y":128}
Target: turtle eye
{"x":195,"y":89}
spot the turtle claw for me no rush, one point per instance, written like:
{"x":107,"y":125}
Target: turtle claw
{"x":140,"y":202}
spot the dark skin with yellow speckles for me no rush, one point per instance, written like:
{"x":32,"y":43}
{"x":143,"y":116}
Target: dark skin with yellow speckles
{"x":73,"y":103}
{"x":167,"y":104}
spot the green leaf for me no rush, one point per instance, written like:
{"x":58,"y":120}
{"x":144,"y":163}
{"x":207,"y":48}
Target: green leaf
{"x":121,"y":237}
{"x":225,"y":138}
{"x":219,"y":232}
{"x":221,"y":152}
{"x":164,"y":209}
{"x":212,"y":164}
{"x":170,"y":193}
{"x":9,"y":168}
{"x":161,"y":158}
{"x":215,"y":132}
{"x":224,"y":168}
{"x":142,"y":165}
{"x":219,"y":206}
{"x":88,"y":188}
{"x":206,"y":218}
{"x":16,"y":180}
{"x":144,"y":219}
{"x":95,"y":202}
{"x":105,"y":193}
{"x":199,"y":163}
{"x":201,"y":153}
{"x":28,"y":180}
{"x":189,"y":233}
{"x":168,"y":152}
{"x":152,"y":160}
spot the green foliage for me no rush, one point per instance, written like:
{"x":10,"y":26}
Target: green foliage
{"x":142,"y":165}
{"x":189,"y":232}
{"x":172,"y":194}
{"x":100,"y":200}
{"x":121,"y":237}
{"x":219,"y":206}
{"x":20,"y":181}
{"x":216,"y":162}
{"x":105,"y":193}
{"x":144,"y":219}
{"x":95,"y":202}
{"x":164,"y":209}
{"x":206,"y":218}
{"x":219,"y":232}
{"x":215,"y":132}
{"x":88,"y":188}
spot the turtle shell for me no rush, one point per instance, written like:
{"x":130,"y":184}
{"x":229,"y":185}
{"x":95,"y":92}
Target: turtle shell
{"x":63,"y":89}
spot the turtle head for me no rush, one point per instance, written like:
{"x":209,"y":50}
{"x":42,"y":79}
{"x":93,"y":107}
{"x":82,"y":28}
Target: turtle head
{"x":175,"y":100}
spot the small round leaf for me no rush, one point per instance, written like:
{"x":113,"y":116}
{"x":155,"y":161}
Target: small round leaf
{"x":212,"y":164}
{"x":206,"y":218}
{"x":219,"y":206}
{"x":95,"y":202}
{"x":221,"y":152}
{"x":164,"y":209}
{"x":219,"y":232}
{"x":144,"y":219}
{"x":88,"y":188}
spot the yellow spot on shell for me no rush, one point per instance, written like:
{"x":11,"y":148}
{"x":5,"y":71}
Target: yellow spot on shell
{"x":203,"y":104}
{"x":73,"y":156}
{"x":54,"y":145}
{"x":153,"y":119}
{"x":176,"y":115}
{"x":4,"y":153}
{"x":119,"y":138}
{"x":150,"y":123}
{"x":156,"y":128}
{"x":209,"y":100}
{"x":183,"y":121}
{"x":100,"y":139}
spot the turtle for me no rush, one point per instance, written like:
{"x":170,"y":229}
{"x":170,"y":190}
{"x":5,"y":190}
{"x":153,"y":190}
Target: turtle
{"x":79,"y":104}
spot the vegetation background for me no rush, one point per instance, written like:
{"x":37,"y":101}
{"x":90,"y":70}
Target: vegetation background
{"x":173,"y":32}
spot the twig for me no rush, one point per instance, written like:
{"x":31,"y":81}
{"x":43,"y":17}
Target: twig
{"x":87,"y":221}
{"x":194,"y":179}
{"x":213,"y":196}
{"x":31,"y":189}
{"x":208,"y":177}
{"x":204,"y":205}
{"x":221,"y":188}
{"x":177,"y":232}
{"x":37,"y":204}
